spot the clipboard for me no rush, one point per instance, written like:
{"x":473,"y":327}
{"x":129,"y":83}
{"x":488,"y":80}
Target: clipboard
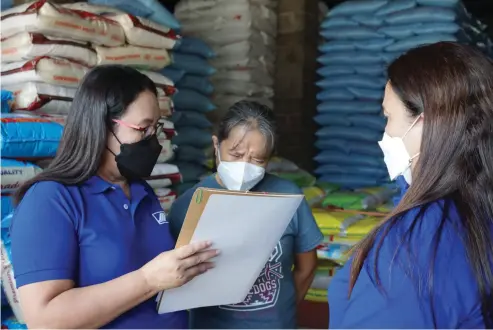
{"x":244,"y":224}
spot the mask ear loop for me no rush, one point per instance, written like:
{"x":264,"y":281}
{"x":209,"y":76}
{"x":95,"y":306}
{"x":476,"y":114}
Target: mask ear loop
{"x":408,"y":130}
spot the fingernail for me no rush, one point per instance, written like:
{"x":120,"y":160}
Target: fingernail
{"x":217,"y":252}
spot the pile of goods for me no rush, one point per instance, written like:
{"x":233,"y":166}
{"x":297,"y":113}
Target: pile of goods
{"x":361,"y":38}
{"x":242,"y":34}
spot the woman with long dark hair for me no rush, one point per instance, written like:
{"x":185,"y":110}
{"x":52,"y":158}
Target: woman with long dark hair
{"x":430,"y":264}
{"x":91,"y":246}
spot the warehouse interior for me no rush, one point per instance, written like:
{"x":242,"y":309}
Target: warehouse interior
{"x":196,"y":87}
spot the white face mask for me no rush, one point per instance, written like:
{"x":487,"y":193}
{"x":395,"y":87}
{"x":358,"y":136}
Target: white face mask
{"x":396,"y":156}
{"x":241,"y":176}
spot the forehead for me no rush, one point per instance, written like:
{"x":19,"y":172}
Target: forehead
{"x":144,"y":108}
{"x":242,"y":137}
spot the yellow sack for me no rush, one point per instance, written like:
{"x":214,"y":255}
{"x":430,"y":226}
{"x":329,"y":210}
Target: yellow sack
{"x":345,"y":224}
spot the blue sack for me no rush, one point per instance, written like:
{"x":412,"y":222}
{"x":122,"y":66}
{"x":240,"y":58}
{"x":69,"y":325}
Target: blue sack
{"x":424,"y":39}
{"x":190,"y":172}
{"x":395,"y":6}
{"x":356,"y":7}
{"x":349,"y":133}
{"x":7,"y":98}
{"x":339,"y":158}
{"x":331,"y":119}
{"x":195,"y":46}
{"x":186,"y":153}
{"x":174,"y":75}
{"x":7,"y":205}
{"x":6,"y":4}
{"x":338,"y":22}
{"x":29,"y":137}
{"x":191,"y":64}
{"x":338,"y":94}
{"x":361,"y":81}
{"x":437,"y":28}
{"x":350,"y":107}
{"x":350,"y":93}
{"x":194,"y":137}
{"x":408,"y":30}
{"x":341,"y":45}
{"x":196,"y":83}
{"x":373,"y":122}
{"x":368,"y":20}
{"x":338,"y":70}
{"x":365,"y":171}
{"x":150,"y":9}
{"x":349,"y":57}
{"x":355,"y":33}
{"x":352,"y":181}
{"x":366,"y":93}
{"x":190,"y":119}
{"x":187,"y":99}
{"x":350,"y":147}
{"x":439,"y":3}
{"x":422,"y":15}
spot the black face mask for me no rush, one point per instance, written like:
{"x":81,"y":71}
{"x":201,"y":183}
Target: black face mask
{"x":136,"y":160}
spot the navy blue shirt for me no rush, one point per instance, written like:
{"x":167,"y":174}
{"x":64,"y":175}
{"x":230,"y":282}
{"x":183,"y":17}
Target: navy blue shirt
{"x":271,"y":303}
{"x":92,"y":234}
{"x":406,"y":300}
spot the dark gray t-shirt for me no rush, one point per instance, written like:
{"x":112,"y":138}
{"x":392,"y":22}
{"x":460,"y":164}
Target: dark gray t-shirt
{"x":271,"y":303}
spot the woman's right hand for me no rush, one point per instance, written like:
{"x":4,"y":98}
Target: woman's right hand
{"x":174,"y":268}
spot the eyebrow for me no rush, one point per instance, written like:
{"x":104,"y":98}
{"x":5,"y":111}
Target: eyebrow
{"x":146,"y":122}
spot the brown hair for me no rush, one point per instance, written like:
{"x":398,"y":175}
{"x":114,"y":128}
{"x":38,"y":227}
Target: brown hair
{"x":453,"y":85}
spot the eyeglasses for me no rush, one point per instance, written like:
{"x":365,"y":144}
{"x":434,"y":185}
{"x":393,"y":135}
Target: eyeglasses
{"x":145,"y":131}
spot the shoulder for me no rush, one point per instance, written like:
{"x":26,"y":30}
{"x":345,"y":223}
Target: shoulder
{"x":273,"y":183}
{"x":46,"y":192}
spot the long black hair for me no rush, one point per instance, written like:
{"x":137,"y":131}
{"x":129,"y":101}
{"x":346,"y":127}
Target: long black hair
{"x":452,"y":85}
{"x":104,"y":94}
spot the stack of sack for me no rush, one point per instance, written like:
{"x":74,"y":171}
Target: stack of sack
{"x":190,"y":72}
{"x":344,"y":217}
{"x":47,"y":49}
{"x":361,"y":38}
{"x":242,"y":34}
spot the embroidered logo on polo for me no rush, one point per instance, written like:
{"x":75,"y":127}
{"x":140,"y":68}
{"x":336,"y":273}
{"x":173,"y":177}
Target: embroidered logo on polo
{"x":160,"y":217}
{"x":265,"y":291}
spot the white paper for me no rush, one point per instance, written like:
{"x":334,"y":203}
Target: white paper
{"x":246,"y":230}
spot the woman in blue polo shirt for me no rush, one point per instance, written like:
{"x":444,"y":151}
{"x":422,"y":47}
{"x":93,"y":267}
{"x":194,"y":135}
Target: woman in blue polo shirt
{"x":430,"y":264}
{"x":89,"y":247}
{"x":243,"y":145}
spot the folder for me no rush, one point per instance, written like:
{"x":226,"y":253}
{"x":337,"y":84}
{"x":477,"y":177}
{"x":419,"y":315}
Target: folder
{"x":245,"y":227}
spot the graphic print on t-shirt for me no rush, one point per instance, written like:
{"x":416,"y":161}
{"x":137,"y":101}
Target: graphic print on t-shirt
{"x":265,"y":291}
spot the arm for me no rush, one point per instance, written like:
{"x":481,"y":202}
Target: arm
{"x":308,"y":237}
{"x":57,"y":304}
{"x":45,"y":253}
{"x":305,"y":265}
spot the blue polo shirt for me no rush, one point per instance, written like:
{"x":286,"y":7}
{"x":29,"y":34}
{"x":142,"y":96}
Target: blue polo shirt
{"x":92,"y":234}
{"x":409,"y":297}
{"x":271,"y":303}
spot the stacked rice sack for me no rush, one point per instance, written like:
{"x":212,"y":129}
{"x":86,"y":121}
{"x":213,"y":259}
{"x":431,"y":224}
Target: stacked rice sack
{"x":361,"y":38}
{"x":242,"y":34}
{"x":49,"y":48}
{"x":190,"y":72}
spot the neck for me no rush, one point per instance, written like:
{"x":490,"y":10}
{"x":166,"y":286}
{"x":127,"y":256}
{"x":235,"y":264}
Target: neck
{"x":112,"y":178}
{"x":218,"y":179}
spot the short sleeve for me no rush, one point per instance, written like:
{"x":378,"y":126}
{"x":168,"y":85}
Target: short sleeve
{"x":308,"y":235}
{"x":178,"y":211}
{"x":44,"y":239}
